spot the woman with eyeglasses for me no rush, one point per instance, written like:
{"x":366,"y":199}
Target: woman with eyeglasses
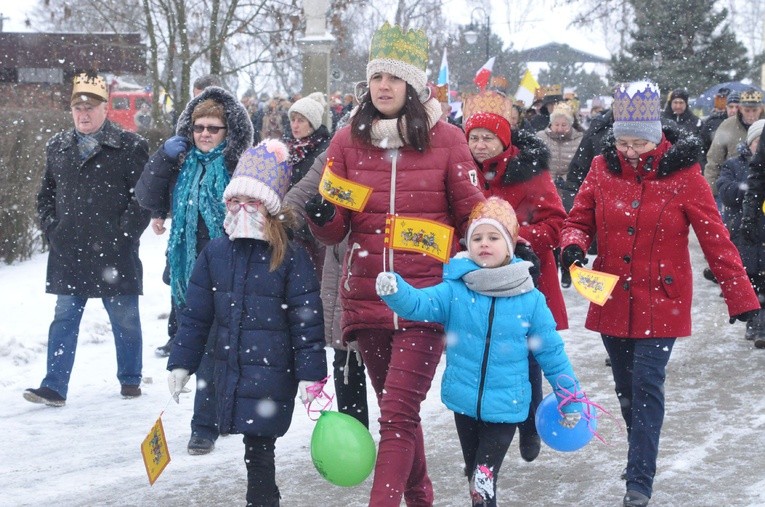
{"x":187,"y":177}
{"x":641,"y":197}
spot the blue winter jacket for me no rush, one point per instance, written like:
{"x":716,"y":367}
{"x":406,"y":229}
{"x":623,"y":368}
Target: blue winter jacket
{"x":487,"y":344}
{"x":269,"y":332}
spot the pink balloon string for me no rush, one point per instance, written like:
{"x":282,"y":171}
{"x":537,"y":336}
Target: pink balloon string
{"x":589,"y":414}
{"x":321,"y":397}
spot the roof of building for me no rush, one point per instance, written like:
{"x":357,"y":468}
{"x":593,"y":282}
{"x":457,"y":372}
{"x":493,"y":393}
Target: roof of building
{"x":561,"y":53}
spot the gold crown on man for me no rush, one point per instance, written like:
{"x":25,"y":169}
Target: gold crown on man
{"x":751,"y":96}
{"x":87,"y":86}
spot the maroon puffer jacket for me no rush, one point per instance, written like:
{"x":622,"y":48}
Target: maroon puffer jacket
{"x":439,"y":185}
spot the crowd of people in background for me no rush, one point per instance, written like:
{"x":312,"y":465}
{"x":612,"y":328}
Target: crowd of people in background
{"x":530,"y":191}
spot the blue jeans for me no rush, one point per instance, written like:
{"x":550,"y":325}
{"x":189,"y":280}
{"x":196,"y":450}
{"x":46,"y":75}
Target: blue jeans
{"x":639,"y":370}
{"x":65,"y":328}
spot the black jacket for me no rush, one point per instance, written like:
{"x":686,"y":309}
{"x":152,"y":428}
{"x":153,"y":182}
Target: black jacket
{"x":89,"y":214}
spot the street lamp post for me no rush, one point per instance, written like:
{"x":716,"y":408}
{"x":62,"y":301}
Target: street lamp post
{"x":471,"y":34}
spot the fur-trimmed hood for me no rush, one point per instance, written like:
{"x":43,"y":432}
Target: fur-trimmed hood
{"x":239,"y":134}
{"x":526,"y":157}
{"x":684,"y":150}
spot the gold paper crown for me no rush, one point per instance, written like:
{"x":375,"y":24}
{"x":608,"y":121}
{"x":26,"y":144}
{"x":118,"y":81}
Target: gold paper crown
{"x":410,"y":47}
{"x":751,"y":96}
{"x":551,"y":90}
{"x":500,"y":210}
{"x":442,"y":93}
{"x":90,"y":85}
{"x":487,"y":102}
{"x":563,"y":108}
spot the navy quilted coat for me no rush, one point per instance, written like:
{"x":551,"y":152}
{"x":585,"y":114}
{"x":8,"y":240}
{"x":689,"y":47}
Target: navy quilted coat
{"x":269,"y":332}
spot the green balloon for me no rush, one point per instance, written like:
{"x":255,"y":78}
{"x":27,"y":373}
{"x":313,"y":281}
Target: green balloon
{"x":342,"y":449}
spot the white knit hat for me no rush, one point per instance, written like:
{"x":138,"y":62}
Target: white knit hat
{"x":262,"y":173}
{"x":312,"y":107}
{"x":404,"y":55}
{"x":755,"y":131}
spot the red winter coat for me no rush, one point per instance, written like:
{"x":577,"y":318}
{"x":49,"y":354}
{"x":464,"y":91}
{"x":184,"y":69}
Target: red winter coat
{"x":523,"y":180}
{"x":435,"y":185}
{"x":642,"y":218}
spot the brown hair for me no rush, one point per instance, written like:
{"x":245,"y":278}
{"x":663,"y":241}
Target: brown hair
{"x":416,"y":135}
{"x":276,"y":234}
{"x":209,"y":107}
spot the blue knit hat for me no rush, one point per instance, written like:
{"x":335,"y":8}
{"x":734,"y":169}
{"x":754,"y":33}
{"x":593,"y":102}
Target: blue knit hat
{"x":637,"y":111}
{"x":262,"y":173}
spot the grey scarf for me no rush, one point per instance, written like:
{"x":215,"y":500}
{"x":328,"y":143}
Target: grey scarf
{"x":509,"y":280}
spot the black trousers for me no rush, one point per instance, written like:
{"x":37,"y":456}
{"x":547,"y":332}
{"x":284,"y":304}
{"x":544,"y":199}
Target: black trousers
{"x":352,"y":397}
{"x":261,"y":472}
{"x":484,"y":446}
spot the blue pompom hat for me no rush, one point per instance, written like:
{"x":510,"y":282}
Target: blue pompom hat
{"x":637,"y":111}
{"x":262,"y":173}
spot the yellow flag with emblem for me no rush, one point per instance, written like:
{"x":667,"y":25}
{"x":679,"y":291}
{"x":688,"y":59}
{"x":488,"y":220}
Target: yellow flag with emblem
{"x":154,"y":450}
{"x":419,"y":235}
{"x":343,"y":192}
{"x":595,"y":286}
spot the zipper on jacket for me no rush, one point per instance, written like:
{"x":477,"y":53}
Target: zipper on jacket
{"x":485,"y":361}
{"x":354,"y":247}
{"x":392,"y":211}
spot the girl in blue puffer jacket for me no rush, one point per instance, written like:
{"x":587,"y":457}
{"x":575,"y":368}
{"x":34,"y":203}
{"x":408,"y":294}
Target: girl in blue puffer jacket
{"x":260,"y":296}
{"x":493,"y":316}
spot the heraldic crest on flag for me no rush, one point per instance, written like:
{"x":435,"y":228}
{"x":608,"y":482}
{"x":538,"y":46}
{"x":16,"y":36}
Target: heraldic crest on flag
{"x":341,"y":191}
{"x":419,"y":235}
{"x":154,"y":450}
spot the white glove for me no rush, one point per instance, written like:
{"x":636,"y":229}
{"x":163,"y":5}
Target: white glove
{"x":386,"y":284}
{"x":176,"y":381}
{"x":570,"y":419}
{"x":305,"y":395}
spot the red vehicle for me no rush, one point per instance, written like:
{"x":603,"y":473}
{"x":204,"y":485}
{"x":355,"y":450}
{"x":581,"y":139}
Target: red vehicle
{"x":123,"y":105}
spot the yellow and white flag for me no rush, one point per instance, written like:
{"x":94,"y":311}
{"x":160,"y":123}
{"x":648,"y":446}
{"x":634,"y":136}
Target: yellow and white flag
{"x":419,"y":235}
{"x":526,"y":88}
{"x":154,"y":450}
{"x":595,"y":286}
{"x":343,"y":192}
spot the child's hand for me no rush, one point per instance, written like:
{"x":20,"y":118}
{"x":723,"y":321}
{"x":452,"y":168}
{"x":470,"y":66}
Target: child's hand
{"x":386,"y":284}
{"x":305,"y":394}
{"x":570,"y":420}
{"x":176,"y":381}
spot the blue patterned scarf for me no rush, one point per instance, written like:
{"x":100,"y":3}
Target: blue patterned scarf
{"x":198,"y":191}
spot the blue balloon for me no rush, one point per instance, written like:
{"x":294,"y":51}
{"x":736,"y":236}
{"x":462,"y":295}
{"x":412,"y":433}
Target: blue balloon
{"x":558,"y":436}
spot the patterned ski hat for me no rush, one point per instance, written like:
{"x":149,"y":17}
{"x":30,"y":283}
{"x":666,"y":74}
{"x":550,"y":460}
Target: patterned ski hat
{"x":89,"y":87}
{"x":499,"y":213}
{"x":637,"y":111}
{"x":262,"y":173}
{"x":489,"y":110}
{"x":404,"y":55}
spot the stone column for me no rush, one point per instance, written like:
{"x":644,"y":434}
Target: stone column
{"x":316,"y":46}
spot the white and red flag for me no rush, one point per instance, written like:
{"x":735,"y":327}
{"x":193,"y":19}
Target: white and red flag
{"x":483,"y":75}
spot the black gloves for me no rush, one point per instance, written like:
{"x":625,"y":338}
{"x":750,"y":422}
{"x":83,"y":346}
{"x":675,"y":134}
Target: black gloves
{"x":525,"y":253}
{"x":744,"y":317}
{"x":749,"y":230}
{"x":573,"y":254}
{"x":319,"y":211}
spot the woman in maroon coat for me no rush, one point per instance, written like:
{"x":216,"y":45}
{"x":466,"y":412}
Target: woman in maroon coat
{"x":641,"y":197}
{"x":416,"y":166}
{"x":514,"y":166}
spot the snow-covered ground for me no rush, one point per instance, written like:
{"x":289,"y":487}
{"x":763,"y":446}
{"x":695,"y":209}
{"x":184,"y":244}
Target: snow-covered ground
{"x":86,"y":454}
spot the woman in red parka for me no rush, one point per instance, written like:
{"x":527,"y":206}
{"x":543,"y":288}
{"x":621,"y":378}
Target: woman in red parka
{"x":640,"y":198}
{"x":418,"y":166}
{"x":514,"y":166}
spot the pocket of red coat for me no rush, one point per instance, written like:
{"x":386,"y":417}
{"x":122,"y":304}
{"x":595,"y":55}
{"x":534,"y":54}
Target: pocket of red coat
{"x":668,"y":278}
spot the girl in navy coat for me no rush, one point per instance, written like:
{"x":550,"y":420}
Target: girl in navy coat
{"x":493,"y":316}
{"x":260,"y":294}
